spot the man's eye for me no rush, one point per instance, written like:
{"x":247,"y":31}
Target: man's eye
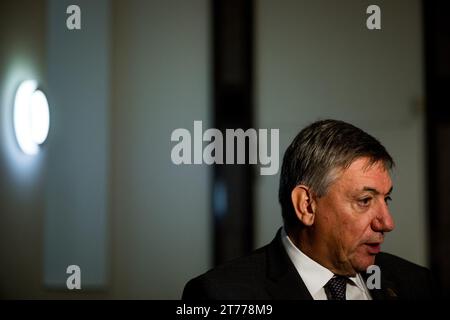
{"x":387,"y":200}
{"x":365,"y":202}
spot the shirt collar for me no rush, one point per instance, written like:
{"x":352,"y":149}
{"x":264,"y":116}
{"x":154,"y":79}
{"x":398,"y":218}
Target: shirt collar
{"x":314,"y":275}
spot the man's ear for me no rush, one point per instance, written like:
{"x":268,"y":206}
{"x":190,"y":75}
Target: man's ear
{"x":304,"y":204}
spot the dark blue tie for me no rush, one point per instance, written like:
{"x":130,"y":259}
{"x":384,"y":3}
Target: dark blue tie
{"x":335,"y":288}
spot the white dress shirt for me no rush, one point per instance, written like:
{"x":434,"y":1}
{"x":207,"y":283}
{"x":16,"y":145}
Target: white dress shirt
{"x":315,"y":276}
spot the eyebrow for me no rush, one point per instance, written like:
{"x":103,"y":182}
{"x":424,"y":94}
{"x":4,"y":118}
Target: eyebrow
{"x":375,"y":191}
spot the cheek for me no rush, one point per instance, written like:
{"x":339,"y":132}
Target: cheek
{"x":342,"y":225}
{"x":355,"y":232}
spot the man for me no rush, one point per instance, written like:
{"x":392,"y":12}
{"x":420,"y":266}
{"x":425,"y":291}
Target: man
{"x":334,"y":193}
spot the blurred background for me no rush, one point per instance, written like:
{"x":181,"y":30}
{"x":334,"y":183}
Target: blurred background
{"x":103,"y":193}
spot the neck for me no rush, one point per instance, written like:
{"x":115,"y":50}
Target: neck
{"x":304,"y":238}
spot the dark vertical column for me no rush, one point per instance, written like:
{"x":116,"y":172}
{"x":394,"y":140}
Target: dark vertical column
{"x":437,"y":55}
{"x":232,"y":102}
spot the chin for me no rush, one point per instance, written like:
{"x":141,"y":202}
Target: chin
{"x":362,"y":262}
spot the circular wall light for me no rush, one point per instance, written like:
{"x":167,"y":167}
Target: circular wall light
{"x":31,"y":117}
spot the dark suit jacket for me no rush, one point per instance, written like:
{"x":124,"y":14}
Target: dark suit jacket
{"x":268,"y":273}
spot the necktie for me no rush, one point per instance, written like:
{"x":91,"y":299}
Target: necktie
{"x":335,"y":288}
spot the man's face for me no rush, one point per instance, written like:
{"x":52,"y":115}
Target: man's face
{"x":352,"y":216}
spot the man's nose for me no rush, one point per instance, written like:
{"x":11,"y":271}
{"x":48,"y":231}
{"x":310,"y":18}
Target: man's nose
{"x":383,"y":222}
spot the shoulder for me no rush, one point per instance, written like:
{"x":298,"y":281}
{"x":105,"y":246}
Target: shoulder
{"x":394,"y":265}
{"x":414,"y":281}
{"x":240,"y":278}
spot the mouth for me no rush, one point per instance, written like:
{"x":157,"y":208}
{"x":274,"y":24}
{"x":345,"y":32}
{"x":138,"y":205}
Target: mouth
{"x":373,"y":247}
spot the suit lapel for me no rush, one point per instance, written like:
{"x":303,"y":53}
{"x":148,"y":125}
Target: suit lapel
{"x":387,"y":291}
{"x":283,"y":281}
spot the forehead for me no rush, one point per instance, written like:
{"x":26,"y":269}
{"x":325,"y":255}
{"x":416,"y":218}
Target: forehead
{"x":361,"y":174}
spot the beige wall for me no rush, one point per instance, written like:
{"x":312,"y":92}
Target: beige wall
{"x":160,"y":82}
